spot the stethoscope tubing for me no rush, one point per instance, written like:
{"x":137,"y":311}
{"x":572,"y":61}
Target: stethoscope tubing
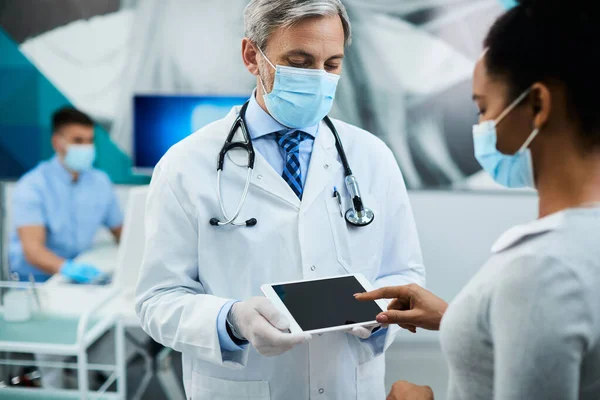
{"x":242,"y":201}
{"x":247,"y":145}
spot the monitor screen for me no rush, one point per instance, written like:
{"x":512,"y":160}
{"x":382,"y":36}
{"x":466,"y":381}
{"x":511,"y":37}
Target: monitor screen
{"x":161,"y":121}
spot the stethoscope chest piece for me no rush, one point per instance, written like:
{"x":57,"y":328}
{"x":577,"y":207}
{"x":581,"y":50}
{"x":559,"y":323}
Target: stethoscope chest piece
{"x":357,"y":218}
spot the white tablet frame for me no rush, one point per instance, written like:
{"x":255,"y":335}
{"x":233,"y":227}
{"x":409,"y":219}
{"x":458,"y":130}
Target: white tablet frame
{"x":269,"y":292}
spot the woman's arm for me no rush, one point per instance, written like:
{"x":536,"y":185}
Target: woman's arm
{"x":412,"y":307}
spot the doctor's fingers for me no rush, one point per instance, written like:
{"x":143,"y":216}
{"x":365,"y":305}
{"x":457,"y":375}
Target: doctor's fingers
{"x":361,"y":332}
{"x":272,"y":314}
{"x":267,"y":334}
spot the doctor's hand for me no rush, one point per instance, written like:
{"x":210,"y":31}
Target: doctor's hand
{"x":80,"y":273}
{"x":403,"y":390}
{"x":412,"y":307}
{"x":259,"y":322}
{"x":362,"y":332}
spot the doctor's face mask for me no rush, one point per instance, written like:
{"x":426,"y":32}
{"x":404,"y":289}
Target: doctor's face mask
{"x":300,"y":97}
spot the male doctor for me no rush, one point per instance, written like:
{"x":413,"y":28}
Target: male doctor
{"x":199,"y":287}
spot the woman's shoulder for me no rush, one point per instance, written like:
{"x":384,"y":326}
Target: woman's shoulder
{"x":568,"y":247}
{"x":552,"y":282}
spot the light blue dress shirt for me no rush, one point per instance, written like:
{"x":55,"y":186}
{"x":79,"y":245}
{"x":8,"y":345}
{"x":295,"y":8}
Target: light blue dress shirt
{"x":260,"y":127}
{"x":72,"y":212}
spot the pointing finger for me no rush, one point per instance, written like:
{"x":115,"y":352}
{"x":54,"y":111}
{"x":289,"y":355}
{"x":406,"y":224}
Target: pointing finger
{"x":390,"y":292}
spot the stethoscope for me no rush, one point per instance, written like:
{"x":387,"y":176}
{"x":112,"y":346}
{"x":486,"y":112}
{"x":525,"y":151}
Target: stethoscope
{"x":357,"y":215}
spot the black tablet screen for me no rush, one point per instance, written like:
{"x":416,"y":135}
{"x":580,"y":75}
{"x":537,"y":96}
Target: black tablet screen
{"x":326,"y":303}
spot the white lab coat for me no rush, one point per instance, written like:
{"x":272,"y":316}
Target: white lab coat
{"x":191,"y":268}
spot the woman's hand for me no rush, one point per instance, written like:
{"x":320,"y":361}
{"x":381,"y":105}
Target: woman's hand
{"x":412,"y":307}
{"x":403,"y":390}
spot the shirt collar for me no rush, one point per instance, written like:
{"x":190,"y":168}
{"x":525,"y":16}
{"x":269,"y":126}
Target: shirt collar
{"x":61,"y":172}
{"x":260,"y":123}
{"x":521,"y":232}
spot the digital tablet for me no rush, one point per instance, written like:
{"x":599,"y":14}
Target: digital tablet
{"x":325,"y":304}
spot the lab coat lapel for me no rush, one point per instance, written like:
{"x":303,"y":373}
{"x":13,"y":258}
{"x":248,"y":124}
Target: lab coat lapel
{"x":264,"y":176}
{"x":324,"y":165}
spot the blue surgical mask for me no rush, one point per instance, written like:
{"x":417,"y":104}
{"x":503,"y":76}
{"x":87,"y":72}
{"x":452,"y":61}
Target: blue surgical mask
{"x":80,"y":157}
{"x":512,"y":171}
{"x":300,"y":97}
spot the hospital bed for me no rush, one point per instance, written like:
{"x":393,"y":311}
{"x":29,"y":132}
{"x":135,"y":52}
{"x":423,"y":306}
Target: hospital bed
{"x":65,"y":334}
{"x":64,"y":299}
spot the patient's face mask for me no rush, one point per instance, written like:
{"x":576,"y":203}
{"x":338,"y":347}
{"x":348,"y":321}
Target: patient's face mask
{"x":512,"y":171}
{"x":300,"y":97}
{"x":80,"y":157}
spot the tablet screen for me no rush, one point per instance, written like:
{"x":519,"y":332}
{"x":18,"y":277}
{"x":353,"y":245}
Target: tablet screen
{"x":326,"y":303}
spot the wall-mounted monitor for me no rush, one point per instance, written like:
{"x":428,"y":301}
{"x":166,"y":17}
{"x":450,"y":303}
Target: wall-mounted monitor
{"x":160,"y":121}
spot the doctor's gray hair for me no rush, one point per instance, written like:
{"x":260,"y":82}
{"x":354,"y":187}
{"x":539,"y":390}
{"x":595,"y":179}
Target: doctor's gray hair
{"x":261,"y":17}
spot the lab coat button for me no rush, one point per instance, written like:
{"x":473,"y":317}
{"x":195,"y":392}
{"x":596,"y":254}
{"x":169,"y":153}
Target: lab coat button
{"x":259,"y":177}
{"x":313,"y":268}
{"x":326,"y":166}
{"x":321,"y":391}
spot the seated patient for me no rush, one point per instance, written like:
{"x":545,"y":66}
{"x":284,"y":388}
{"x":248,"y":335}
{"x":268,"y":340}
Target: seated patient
{"x":59,"y":206}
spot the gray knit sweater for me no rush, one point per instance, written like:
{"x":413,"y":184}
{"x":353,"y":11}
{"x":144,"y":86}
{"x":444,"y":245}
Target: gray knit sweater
{"x":527,"y":326}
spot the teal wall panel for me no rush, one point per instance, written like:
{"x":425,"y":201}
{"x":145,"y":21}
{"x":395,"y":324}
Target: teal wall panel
{"x":27,"y":101}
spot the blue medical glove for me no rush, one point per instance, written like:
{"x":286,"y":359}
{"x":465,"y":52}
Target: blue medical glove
{"x":81,"y":273}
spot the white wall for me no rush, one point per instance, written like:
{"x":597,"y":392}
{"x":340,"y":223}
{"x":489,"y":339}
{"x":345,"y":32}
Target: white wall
{"x":457,"y":230}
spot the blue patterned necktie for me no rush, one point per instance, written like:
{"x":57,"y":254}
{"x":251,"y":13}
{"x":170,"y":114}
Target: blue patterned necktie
{"x":290,"y":143}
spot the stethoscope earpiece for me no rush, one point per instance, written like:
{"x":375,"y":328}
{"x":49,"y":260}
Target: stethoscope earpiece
{"x":249,"y":223}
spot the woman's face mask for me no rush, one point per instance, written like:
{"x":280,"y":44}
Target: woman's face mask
{"x":512,"y":171}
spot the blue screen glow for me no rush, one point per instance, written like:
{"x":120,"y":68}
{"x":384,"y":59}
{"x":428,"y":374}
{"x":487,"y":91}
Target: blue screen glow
{"x":161,"y":121}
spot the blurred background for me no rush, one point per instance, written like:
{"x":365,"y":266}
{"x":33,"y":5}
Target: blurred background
{"x":411,"y":62}
{"x":150,"y":72}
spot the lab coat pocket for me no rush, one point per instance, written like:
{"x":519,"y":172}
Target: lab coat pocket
{"x":208,"y":388}
{"x":358,"y":248}
{"x":340,"y":236}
